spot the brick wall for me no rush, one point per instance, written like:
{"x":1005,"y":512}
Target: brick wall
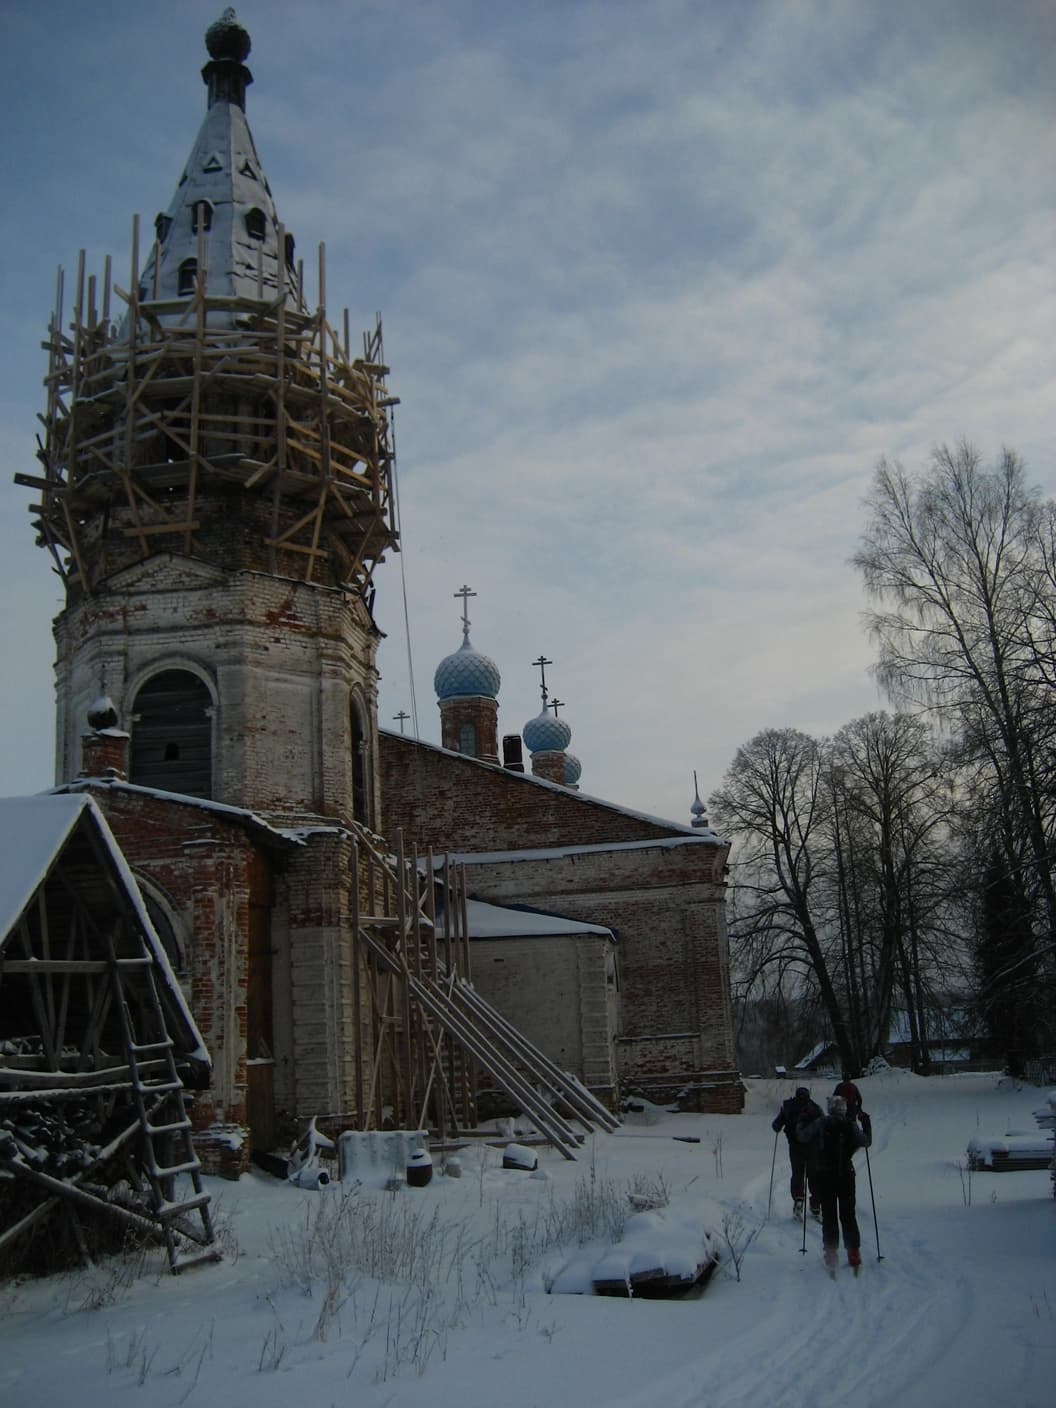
{"x":554,"y":991}
{"x":666,"y":901}
{"x":281,"y":659}
{"x":481,"y":714}
{"x":202,"y":865}
{"x":454,"y":803}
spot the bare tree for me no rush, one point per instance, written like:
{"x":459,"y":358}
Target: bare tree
{"x":890,"y":803}
{"x":774,"y":801}
{"x":961,"y":562}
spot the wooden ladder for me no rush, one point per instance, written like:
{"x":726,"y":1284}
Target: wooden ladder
{"x":167,"y":1144}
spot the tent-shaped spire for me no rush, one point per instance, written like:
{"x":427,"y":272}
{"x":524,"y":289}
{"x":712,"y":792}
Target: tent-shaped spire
{"x":221,"y":223}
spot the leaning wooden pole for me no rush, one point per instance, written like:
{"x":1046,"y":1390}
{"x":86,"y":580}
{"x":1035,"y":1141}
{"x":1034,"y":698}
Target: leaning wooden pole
{"x":408,"y":1035}
{"x":357,"y":990}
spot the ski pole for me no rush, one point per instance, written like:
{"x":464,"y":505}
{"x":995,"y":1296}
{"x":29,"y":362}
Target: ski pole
{"x":803,"y":1248}
{"x":773,"y":1162}
{"x":872,"y":1199}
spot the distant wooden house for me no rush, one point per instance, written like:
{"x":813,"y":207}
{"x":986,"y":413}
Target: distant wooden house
{"x":954,"y":1039}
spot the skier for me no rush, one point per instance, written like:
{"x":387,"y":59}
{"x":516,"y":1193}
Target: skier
{"x":851,"y":1094}
{"x":798,"y":1107}
{"x":832,"y":1141}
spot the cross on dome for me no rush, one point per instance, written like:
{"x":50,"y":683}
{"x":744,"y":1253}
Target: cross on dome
{"x":465,"y":593}
{"x":542,"y":663}
{"x":467,"y":671}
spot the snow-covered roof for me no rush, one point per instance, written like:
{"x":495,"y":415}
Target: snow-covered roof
{"x":33,"y":833}
{"x":661,"y":843}
{"x":815,"y":1054}
{"x":492,"y":921}
{"x":292,"y":833}
{"x":699,"y":834}
{"x":949,"y":1022}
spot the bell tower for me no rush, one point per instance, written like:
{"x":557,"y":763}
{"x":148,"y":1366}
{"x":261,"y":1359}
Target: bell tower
{"x":216,"y":492}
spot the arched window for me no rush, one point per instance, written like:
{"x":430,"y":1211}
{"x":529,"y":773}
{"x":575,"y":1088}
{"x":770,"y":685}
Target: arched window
{"x":162,"y":226}
{"x":467,"y":740}
{"x":187,"y":279}
{"x":175,"y":950}
{"x":256,"y":224}
{"x":289,"y":251}
{"x":360,"y":794}
{"x":201,"y":216}
{"x":172,"y":735}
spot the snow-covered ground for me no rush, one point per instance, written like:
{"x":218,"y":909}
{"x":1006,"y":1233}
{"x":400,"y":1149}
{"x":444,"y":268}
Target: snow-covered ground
{"x":450,"y":1297}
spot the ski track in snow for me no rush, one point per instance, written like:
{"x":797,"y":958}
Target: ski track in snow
{"x":959,"y":1311}
{"x":875,"y":1339}
{"x":865,"y":1339}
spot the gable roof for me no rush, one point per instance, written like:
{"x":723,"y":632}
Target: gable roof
{"x":250,"y":821}
{"x":523,"y":779}
{"x":35,"y":832}
{"x":494,"y":921}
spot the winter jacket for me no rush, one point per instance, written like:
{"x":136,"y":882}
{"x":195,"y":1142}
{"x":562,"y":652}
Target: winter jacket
{"x":791,"y":1112}
{"x":833,"y":1142}
{"x":852,"y":1095}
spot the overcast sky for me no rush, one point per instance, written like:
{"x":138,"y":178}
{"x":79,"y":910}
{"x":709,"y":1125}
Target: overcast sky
{"x":661,"y":281}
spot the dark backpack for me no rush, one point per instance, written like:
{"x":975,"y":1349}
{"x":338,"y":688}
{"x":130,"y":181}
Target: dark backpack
{"x":836,"y":1146}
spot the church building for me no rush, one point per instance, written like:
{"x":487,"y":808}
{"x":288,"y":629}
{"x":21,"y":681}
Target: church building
{"x":216,"y":494}
{"x":636,"y":999}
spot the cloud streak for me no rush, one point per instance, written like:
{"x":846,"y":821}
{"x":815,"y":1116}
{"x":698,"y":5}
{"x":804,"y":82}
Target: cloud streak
{"x":660,"y":283}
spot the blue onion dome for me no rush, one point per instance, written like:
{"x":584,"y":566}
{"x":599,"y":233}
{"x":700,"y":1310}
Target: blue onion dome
{"x":547,"y":734}
{"x":573,"y":770}
{"x":467,"y":671}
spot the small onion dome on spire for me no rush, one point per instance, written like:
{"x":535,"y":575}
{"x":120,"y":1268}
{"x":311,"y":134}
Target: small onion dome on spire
{"x":700,"y":816}
{"x":467,"y":671}
{"x":547,"y":734}
{"x":227,"y":39}
{"x":573,"y":770}
{"x":102,"y":713}
{"x":225,"y":75}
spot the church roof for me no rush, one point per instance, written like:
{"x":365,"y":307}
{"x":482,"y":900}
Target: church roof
{"x":674,"y":832}
{"x":222,"y":214}
{"x":251,"y":821}
{"x":493,"y":921}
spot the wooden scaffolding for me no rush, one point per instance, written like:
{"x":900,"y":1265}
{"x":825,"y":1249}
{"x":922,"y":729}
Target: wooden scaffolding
{"x":157,"y":418}
{"x":433,"y":1036}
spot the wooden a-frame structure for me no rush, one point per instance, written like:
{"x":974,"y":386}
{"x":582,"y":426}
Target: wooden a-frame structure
{"x":96,"y":1045}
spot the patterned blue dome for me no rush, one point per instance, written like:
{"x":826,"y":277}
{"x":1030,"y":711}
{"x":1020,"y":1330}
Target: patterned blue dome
{"x":466,"y":672}
{"x":573,"y":770}
{"x":547,"y":734}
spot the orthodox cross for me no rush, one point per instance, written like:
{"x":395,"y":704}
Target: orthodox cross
{"x":402,"y":716}
{"x":542,"y":663}
{"x":465,"y":593}
{"x":556,"y":704}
